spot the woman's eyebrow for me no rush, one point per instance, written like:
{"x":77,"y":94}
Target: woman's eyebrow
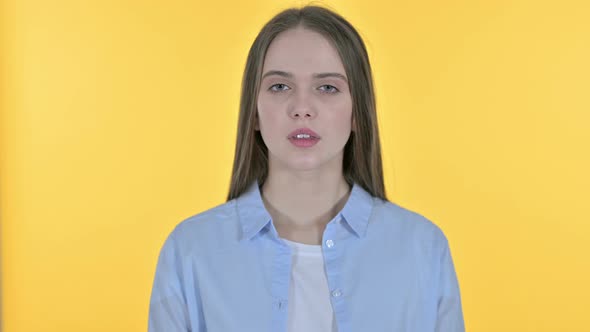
{"x":324,"y":75}
{"x":278,"y":73}
{"x":290,"y":75}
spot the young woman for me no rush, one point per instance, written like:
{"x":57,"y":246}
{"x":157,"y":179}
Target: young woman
{"x":307,"y":240}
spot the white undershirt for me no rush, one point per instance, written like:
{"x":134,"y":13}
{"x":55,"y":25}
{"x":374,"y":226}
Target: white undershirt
{"x":310,"y":309}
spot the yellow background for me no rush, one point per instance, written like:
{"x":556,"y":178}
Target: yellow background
{"x":119,"y":118}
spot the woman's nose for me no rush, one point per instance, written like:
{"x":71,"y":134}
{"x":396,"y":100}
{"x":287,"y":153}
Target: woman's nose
{"x":302,"y":106}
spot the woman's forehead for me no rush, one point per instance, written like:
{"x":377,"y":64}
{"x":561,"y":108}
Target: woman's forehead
{"x":302,"y":51}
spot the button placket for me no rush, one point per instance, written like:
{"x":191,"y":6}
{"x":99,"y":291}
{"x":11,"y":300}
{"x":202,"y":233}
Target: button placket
{"x":282,"y":304}
{"x":336,"y":293}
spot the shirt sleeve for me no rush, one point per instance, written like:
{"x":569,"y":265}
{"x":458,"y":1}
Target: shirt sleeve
{"x":450,"y":313}
{"x":168,"y":307}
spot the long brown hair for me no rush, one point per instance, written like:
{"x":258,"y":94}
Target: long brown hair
{"x":362,"y":153}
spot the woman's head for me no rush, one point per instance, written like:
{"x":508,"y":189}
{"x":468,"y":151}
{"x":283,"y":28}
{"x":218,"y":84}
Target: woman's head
{"x":308,"y":68}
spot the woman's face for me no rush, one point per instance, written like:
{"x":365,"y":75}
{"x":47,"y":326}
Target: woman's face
{"x":304,"y":85}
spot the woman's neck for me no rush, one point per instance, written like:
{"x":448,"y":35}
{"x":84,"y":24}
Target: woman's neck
{"x":301,"y":206}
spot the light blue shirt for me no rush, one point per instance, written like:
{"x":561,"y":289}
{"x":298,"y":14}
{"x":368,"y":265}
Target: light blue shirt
{"x":227,"y":270}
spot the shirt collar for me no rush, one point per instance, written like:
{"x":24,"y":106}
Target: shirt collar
{"x":254,"y":217}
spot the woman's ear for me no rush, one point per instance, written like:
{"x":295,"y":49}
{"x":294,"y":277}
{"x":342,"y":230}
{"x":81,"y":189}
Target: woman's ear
{"x":353,"y":125}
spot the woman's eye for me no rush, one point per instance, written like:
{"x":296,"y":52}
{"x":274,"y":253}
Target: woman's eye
{"x":328,"y":88}
{"x":278,"y":87}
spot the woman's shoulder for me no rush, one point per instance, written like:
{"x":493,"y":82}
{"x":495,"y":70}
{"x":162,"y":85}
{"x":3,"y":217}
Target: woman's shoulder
{"x":210,"y":217}
{"x":209,"y":228}
{"x":406,"y":221}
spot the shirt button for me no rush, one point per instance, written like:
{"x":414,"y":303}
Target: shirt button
{"x":336,"y":293}
{"x":329,"y":243}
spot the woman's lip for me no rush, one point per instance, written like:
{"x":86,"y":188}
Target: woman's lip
{"x":310,"y":137}
{"x":304,"y":142}
{"x":307,"y":131}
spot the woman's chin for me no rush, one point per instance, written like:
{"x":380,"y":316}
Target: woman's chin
{"x":304,"y":164}
{"x":298,"y":163}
